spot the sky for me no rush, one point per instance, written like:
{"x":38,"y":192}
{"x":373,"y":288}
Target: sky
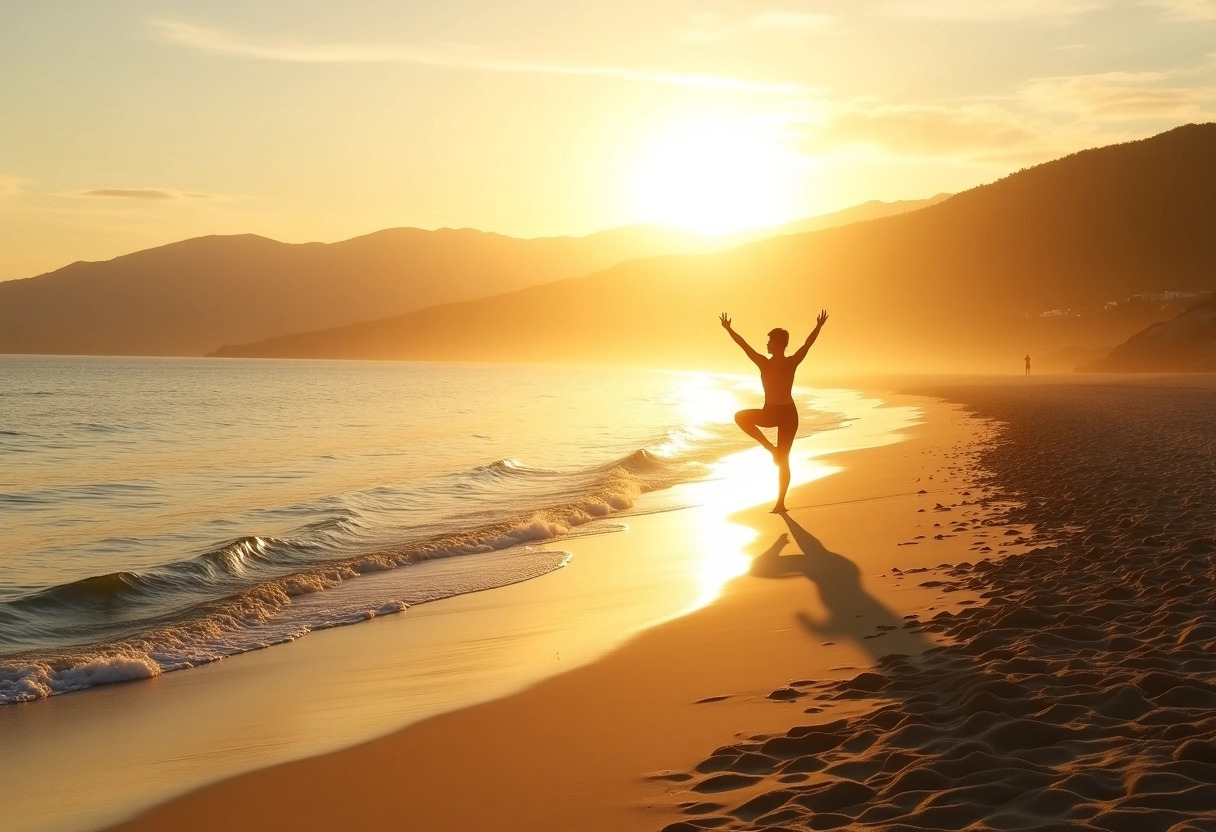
{"x":128,"y":124}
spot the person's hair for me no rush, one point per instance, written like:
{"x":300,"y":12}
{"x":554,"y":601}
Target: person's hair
{"x":780,"y":337}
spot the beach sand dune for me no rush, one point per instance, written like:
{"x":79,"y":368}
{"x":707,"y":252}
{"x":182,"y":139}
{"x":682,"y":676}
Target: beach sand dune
{"x":1080,"y":694}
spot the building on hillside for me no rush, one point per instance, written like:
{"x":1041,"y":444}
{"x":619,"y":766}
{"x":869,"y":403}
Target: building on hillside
{"x":1166,"y":295}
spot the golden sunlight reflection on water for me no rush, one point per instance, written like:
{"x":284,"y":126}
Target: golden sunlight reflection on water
{"x":703,"y":400}
{"x":748,"y":477}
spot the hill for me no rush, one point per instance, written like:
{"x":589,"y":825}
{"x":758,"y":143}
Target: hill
{"x":872,"y":210}
{"x":1027,"y":264}
{"x":1185,"y":344}
{"x":187,"y":298}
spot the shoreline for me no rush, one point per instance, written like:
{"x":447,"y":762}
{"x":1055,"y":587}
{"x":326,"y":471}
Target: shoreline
{"x":575,"y":750}
{"x":348,"y":685}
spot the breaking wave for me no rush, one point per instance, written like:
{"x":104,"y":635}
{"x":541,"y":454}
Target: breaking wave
{"x":255,"y":591}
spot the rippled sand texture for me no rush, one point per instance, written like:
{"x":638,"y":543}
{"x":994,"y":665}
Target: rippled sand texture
{"x":1080,"y":695}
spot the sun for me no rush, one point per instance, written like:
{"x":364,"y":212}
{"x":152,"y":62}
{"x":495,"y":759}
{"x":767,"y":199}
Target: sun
{"x":714,"y":175}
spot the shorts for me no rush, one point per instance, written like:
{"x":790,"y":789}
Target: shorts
{"x":777,"y":415}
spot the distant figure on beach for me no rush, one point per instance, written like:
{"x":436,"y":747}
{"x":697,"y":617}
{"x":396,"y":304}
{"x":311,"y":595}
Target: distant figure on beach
{"x":1027,"y":365}
{"x":779,"y":411}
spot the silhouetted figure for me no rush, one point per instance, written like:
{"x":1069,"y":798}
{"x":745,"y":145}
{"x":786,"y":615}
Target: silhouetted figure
{"x":1027,"y":365}
{"x":779,"y":411}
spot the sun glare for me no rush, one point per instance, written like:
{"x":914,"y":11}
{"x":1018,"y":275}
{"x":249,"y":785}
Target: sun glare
{"x":715,"y":175}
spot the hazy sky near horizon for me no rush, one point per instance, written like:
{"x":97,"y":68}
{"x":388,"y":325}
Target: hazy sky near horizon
{"x":133,"y":123}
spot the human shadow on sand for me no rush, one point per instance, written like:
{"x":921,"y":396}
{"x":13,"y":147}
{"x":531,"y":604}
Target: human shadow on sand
{"x":849,"y":611}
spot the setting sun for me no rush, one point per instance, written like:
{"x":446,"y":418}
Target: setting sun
{"x":715,"y":175}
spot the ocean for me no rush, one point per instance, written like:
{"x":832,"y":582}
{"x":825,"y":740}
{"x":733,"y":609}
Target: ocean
{"x":160,"y":514}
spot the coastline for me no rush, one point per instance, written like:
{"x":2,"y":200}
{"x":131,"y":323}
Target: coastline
{"x":588,"y":748}
{"x":180,"y":731}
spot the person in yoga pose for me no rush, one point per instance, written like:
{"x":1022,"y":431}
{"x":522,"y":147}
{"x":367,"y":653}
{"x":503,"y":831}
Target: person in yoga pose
{"x":779,"y":411}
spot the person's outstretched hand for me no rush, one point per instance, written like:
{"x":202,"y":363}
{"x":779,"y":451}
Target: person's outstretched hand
{"x":823,"y":317}
{"x":725,"y":319}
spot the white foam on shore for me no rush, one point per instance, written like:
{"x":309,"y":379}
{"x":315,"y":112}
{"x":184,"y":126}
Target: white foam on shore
{"x":276,"y":614}
{"x":39,"y":680}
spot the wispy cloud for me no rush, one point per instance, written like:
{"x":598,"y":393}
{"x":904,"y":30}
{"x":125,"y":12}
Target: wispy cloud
{"x":1191,"y":10}
{"x":219,"y":42}
{"x":708,"y":27}
{"x":153,"y":194}
{"x":1120,"y":96}
{"x":1035,"y":116}
{"x":928,"y":130}
{"x":992,"y":10}
{"x":11,"y":185}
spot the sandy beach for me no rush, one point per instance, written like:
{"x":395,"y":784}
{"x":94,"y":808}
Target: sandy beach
{"x":1079,"y":695}
{"x":1002,"y":622}
{"x":601,"y":747}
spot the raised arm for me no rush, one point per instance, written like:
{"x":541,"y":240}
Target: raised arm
{"x":756,"y":357}
{"x":810,"y":339}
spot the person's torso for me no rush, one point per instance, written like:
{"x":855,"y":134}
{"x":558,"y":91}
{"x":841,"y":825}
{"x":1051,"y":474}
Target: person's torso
{"x":777,"y":376}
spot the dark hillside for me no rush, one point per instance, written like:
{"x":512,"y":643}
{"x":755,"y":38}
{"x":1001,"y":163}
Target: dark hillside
{"x":963,"y":284}
{"x":189,"y":297}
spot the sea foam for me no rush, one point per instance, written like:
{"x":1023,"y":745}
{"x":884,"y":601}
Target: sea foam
{"x":261,"y":617}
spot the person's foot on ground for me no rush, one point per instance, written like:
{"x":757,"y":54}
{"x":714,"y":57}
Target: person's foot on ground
{"x":779,"y":509}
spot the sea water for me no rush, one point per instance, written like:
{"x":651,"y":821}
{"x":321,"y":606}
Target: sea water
{"x":160,"y":514}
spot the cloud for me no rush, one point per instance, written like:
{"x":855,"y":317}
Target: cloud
{"x":707,"y":27}
{"x":992,"y":10}
{"x":1038,"y":116}
{"x":789,"y":20}
{"x":11,"y":185}
{"x":1191,"y":10}
{"x":218,"y":42}
{"x":929,"y":130}
{"x":1119,"y":96}
{"x":153,"y":194}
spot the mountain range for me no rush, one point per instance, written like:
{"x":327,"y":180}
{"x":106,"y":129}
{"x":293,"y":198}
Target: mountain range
{"x":191,"y":297}
{"x":1045,"y":259}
